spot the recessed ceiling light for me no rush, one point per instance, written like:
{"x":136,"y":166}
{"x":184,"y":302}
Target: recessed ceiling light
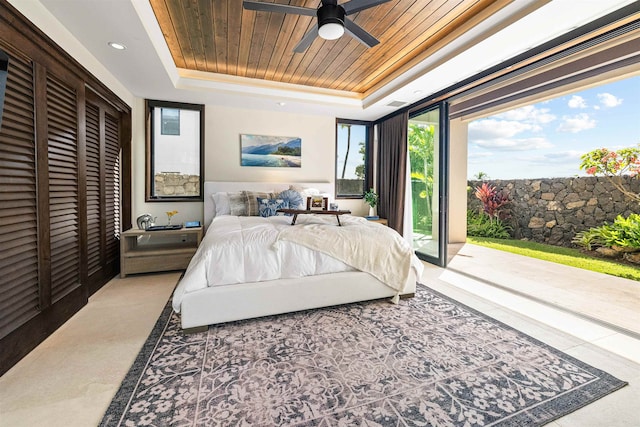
{"x":417,"y":92}
{"x":282,"y":104}
{"x":117,"y":46}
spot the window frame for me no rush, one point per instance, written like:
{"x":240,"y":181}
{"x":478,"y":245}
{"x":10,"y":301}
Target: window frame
{"x":150,"y":106}
{"x":368,"y":158}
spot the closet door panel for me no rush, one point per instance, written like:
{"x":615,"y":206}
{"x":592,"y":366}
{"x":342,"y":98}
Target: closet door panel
{"x":112,"y":188}
{"x":95,"y":230}
{"x":62,"y":136}
{"x":19,"y":289}
{"x":103,"y":141}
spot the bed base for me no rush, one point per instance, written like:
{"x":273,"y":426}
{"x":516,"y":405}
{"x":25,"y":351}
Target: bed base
{"x":220,"y":304}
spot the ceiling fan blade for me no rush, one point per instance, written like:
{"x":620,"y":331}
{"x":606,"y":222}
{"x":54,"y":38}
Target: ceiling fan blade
{"x":280,"y":8}
{"x":307,"y":40}
{"x":354,"y":6}
{"x":359,"y":34}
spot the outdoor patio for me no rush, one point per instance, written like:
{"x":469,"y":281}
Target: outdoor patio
{"x":609,"y":306}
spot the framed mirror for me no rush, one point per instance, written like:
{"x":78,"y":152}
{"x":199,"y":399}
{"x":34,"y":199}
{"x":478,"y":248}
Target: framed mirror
{"x":175,"y":151}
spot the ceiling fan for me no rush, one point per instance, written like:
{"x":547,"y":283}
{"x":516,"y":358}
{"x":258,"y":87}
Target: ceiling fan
{"x":332,"y":19}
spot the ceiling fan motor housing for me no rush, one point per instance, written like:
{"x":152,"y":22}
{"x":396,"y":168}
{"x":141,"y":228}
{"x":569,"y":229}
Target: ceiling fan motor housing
{"x":330,"y":14}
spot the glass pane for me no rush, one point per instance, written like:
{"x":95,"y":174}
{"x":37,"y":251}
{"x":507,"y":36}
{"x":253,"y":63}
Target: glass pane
{"x":176,"y":152}
{"x":423,"y":142}
{"x":350,"y":159}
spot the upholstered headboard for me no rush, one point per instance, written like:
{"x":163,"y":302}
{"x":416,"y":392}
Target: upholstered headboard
{"x":211,"y":187}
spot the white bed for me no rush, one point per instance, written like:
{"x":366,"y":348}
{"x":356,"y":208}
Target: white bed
{"x":229,"y":302}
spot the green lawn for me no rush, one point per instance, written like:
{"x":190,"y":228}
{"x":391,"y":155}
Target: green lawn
{"x":560,"y":255}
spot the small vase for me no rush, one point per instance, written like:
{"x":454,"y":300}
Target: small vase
{"x":373,"y":211}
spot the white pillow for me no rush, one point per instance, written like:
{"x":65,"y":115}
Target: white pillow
{"x":221,"y":203}
{"x":305,"y":192}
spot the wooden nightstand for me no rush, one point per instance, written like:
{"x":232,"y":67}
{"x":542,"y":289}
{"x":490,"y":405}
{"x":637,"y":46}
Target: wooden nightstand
{"x":382,"y":221}
{"x":144,"y":251}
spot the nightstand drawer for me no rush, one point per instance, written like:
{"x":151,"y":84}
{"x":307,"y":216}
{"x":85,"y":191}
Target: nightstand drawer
{"x":144,"y":251}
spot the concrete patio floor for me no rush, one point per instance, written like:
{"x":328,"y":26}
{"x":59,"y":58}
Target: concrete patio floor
{"x":611,"y":301}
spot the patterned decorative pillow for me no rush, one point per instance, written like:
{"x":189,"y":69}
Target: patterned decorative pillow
{"x":237,"y":204}
{"x":269,"y":207}
{"x":252,"y":200}
{"x":293,"y":198}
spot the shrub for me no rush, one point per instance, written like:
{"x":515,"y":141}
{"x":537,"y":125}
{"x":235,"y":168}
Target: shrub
{"x":480,"y":224}
{"x":624,"y":233}
{"x":492,"y":199}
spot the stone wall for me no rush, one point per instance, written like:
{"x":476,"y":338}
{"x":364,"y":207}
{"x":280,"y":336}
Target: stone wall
{"x":176,"y":184}
{"x":553,"y":210}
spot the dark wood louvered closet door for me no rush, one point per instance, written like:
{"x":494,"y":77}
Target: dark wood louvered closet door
{"x":62,"y":125}
{"x":19,"y":288}
{"x":64,"y":156}
{"x":103,"y":140}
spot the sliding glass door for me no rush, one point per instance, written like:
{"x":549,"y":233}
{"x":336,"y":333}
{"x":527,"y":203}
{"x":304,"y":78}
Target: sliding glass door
{"x":427,"y":144}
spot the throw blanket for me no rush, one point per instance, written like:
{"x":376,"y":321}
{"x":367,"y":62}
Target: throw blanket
{"x":364,"y":245}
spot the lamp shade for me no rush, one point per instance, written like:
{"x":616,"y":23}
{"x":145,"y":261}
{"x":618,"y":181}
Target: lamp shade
{"x":331,"y":31}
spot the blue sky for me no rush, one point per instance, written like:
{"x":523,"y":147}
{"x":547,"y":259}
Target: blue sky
{"x":546,"y":140}
{"x":358,"y":135}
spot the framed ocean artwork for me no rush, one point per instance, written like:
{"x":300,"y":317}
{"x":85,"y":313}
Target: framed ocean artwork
{"x":270,"y":151}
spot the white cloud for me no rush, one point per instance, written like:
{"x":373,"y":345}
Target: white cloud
{"x":577,"y":102}
{"x":513,"y":144}
{"x":480,"y":154}
{"x":560,"y":157}
{"x":608,"y":100}
{"x":529,"y":114}
{"x":577,"y":123}
{"x":491,"y":128}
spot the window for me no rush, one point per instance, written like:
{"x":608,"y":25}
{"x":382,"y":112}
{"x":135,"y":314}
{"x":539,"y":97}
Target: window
{"x":353,"y":165}
{"x":175,"y":151}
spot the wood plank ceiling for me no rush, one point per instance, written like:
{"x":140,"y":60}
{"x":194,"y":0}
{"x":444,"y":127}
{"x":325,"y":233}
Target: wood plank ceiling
{"x":219,"y":36}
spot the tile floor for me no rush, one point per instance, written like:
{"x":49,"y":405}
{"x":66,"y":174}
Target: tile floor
{"x":70,"y":378}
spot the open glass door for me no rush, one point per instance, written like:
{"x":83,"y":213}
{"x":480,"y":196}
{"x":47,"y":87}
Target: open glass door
{"x":427,"y":136}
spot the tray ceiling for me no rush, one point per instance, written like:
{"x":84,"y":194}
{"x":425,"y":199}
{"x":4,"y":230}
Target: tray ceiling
{"x":219,"y":36}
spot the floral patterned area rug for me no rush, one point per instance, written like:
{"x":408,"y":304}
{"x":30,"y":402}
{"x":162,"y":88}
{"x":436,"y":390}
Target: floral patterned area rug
{"x":429,"y":361}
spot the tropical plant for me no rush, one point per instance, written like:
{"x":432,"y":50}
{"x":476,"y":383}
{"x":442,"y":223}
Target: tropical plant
{"x":481,"y":176}
{"x":371,"y":198}
{"x":480,"y":224}
{"x":623,"y":233}
{"x":360,"y":167}
{"x":346,"y":155}
{"x":420,"y":141}
{"x":492,"y":199}
{"x":612,"y":164}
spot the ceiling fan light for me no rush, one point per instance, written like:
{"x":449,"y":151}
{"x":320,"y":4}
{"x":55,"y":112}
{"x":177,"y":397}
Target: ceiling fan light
{"x":331,"y":31}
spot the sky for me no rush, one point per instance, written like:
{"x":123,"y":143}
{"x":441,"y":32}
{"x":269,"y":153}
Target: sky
{"x":546,"y":140}
{"x":358,"y":135}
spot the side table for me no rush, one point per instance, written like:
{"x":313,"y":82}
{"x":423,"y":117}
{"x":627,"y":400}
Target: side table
{"x":143,"y":251}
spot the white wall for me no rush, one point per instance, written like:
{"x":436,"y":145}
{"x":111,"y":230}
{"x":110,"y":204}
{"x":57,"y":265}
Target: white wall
{"x":223,"y":127}
{"x":457,"y":181}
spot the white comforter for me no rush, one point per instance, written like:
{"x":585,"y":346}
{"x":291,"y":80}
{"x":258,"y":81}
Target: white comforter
{"x":252,"y":249}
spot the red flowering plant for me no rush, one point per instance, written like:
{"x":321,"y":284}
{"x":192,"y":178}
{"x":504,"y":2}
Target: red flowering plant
{"x":492,"y":199}
{"x":612,"y":164}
